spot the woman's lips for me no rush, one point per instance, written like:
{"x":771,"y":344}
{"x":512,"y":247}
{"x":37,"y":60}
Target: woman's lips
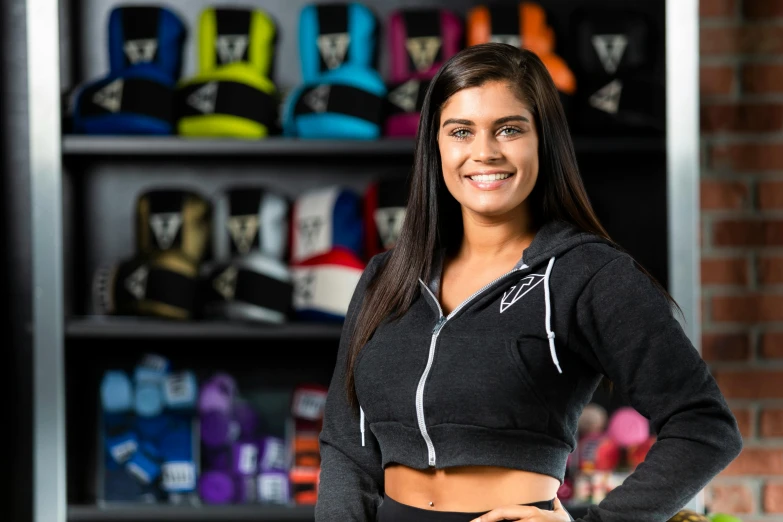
{"x":489,"y":185}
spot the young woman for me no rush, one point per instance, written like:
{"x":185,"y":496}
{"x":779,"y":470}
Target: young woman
{"x":471,"y":348}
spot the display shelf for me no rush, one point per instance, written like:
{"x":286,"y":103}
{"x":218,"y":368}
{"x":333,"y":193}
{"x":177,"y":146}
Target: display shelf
{"x":102,"y":327}
{"x":101,"y":146}
{"x":134,"y":513}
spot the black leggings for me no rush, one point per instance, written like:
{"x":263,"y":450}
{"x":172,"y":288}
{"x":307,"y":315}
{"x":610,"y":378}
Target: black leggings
{"x":392,"y":511}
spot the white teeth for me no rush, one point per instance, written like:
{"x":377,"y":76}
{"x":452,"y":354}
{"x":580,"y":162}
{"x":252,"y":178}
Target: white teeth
{"x":489,"y":177}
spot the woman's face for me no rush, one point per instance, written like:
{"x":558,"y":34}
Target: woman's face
{"x":489,"y":150}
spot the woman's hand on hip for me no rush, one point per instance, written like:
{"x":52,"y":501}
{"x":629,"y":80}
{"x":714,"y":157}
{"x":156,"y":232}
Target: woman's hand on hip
{"x":526,"y":513}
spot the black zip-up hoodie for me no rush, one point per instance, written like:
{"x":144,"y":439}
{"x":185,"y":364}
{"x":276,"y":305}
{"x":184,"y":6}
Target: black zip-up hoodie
{"x":503,"y":379}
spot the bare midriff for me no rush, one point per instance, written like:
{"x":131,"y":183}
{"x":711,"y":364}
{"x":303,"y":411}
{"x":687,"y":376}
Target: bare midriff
{"x":467,"y":489}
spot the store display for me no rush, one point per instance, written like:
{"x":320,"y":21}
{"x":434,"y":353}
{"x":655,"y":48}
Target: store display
{"x":335,"y":34}
{"x":384,"y":212}
{"x":403,"y":107}
{"x":173,"y":220}
{"x":421,"y":40}
{"x":134,"y":101}
{"x":146,"y":34}
{"x":250,"y":220}
{"x":323,"y":285}
{"x":232,"y":101}
{"x":344,"y":103}
{"x":230,"y":35}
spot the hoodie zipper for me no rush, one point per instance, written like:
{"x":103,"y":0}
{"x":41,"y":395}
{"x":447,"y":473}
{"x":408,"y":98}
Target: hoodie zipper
{"x":431,"y":458}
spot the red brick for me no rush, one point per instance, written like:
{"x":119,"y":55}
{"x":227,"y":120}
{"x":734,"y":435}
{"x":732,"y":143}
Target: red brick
{"x":744,"y":39}
{"x":723,"y":194}
{"x":751,"y":308}
{"x":750,"y":385}
{"x":726,"y":271}
{"x":725,"y":347}
{"x":748,"y":232}
{"x":771,"y":195}
{"x":772,"y":345}
{"x":744,"y":421}
{"x":771,"y":270}
{"x":742,"y":117}
{"x":773,"y":497}
{"x":756,"y":461}
{"x":717,"y":8}
{"x":763,"y":9}
{"x":730,"y":498}
{"x":760,"y":78}
{"x":771,"y":423}
{"x":717,"y":80}
{"x":748,"y":157}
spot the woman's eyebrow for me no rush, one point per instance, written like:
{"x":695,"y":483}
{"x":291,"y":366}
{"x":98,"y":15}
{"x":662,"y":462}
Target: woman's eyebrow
{"x":499,"y":121}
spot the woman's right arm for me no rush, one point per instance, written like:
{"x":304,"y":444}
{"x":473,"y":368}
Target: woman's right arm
{"x":351,"y":482}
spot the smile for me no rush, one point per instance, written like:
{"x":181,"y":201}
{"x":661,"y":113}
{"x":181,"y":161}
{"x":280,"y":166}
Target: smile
{"x":490,"y":177}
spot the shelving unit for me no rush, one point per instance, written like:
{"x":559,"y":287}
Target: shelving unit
{"x":70,"y":178}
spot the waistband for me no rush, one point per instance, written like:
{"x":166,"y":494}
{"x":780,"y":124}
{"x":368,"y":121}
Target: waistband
{"x":392,"y":511}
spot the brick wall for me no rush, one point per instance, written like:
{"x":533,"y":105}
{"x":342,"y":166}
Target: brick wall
{"x":742,"y":241}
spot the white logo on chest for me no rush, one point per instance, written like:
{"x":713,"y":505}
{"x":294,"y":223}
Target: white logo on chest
{"x":516,"y":292}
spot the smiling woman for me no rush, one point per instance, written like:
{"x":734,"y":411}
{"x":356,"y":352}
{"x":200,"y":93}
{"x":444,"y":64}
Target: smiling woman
{"x":470,"y":349}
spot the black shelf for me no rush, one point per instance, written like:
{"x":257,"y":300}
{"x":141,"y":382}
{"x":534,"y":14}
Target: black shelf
{"x":76,"y":145}
{"x":157,"y":146}
{"x":133,"y":513}
{"x":104,"y":327}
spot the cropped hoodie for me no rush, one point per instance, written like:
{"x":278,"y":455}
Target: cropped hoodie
{"x":503,"y":379}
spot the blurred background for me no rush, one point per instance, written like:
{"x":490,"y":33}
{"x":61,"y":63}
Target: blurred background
{"x":192,"y":188}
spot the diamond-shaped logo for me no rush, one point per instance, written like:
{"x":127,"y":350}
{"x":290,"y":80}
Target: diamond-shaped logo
{"x":231,"y":47}
{"x":110,"y":97}
{"x":333,"y":48}
{"x":136,"y":283}
{"x":243,"y":230}
{"x":423,"y":50}
{"x":406,"y":95}
{"x":205,"y":98}
{"x":608,"y":98}
{"x":318,"y":98}
{"x":165,"y":227}
{"x":226,"y":283}
{"x":140,"y":51}
{"x":303,"y":286}
{"x":610,"y":49}
{"x":389,"y":223}
{"x":518,"y":291}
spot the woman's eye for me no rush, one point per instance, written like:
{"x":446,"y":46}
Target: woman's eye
{"x":509,"y":131}
{"x":461,"y":133}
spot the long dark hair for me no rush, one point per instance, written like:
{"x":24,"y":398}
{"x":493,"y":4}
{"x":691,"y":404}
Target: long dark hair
{"x":433,"y":219}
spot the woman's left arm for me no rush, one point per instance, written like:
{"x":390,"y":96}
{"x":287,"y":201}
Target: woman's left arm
{"x":626,"y":329}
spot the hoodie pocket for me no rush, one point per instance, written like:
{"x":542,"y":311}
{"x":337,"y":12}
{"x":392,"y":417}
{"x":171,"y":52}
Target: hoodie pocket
{"x":513,"y":347}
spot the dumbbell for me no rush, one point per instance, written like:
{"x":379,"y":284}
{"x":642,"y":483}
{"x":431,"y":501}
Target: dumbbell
{"x":274,"y":487}
{"x":180,"y":391}
{"x":116,"y":392}
{"x":272,"y":455}
{"x":178,"y":470}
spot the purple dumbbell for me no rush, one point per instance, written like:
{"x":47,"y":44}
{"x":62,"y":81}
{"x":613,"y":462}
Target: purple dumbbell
{"x":244,"y":458}
{"x":218,"y":429}
{"x":217,"y":394}
{"x":272,"y":455}
{"x":216,"y":487}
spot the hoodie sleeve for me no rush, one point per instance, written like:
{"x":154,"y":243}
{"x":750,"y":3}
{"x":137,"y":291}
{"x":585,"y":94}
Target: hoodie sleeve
{"x":626,"y":330}
{"x":351,"y":480}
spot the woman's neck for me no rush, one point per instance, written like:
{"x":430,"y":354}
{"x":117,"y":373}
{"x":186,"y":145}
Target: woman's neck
{"x":499,"y":238}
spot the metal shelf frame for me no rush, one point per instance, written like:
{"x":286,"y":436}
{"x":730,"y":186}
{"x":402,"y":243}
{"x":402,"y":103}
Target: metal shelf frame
{"x":45,"y":173}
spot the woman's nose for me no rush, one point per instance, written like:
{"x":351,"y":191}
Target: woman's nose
{"x":485,"y":148}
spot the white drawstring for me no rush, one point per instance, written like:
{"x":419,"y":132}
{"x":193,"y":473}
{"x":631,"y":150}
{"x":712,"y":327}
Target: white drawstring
{"x":361,"y":423}
{"x":549,"y":333}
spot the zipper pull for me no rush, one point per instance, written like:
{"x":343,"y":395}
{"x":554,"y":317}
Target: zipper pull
{"x":438,"y":325}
